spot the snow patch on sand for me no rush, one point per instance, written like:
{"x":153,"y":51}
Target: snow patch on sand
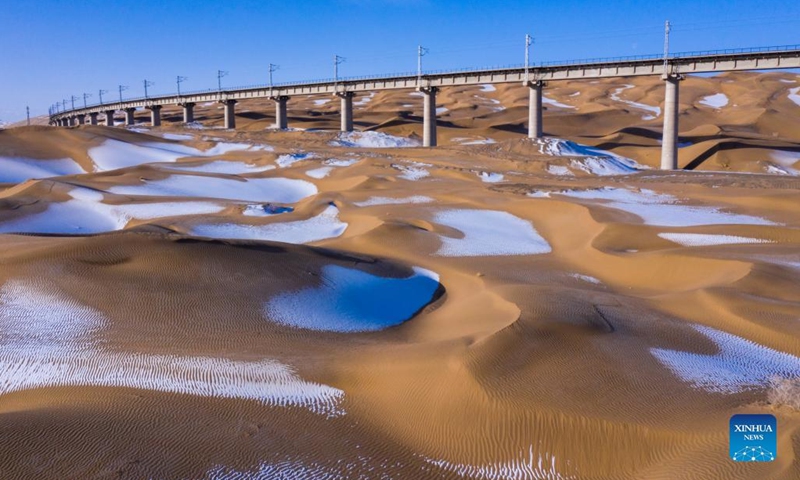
{"x":488,"y":233}
{"x":559,"y":170}
{"x":786,"y":161}
{"x":489,"y":177}
{"x":655,"y":110}
{"x":473,"y":141}
{"x":593,"y":160}
{"x":113,"y":154}
{"x":662,"y":209}
{"x":288,"y":160}
{"x":35,"y":319}
{"x":585,"y":278}
{"x":284,"y":470}
{"x":177,"y":136}
{"x":794,"y":95}
{"x":718,"y":100}
{"x":279,"y":190}
{"x":555,"y":103}
{"x":225,"y":167}
{"x":701,"y":239}
{"x":538,"y":194}
{"x":372,"y":201}
{"x":86,"y":214}
{"x":265,"y":210}
{"x":20,"y":169}
{"x":335,"y":162}
{"x":349,"y":300}
{"x":488,"y":87}
{"x":323,"y":226}
{"x":48,"y":339}
{"x":319,"y":173}
{"x":524,"y":467}
{"x":372,"y":140}
{"x":738,"y":365}
{"x":412,"y":172}
{"x":364,"y":100}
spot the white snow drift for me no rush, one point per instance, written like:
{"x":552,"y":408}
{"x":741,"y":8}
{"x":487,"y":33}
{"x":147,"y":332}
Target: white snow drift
{"x":662,"y":209}
{"x":48,"y":339}
{"x":718,"y":100}
{"x":113,"y":154}
{"x":20,"y":169}
{"x":372,"y":201}
{"x":703,"y":239}
{"x":323,"y":226}
{"x":488,"y":233}
{"x":738,"y":364}
{"x":656,"y":111}
{"x":373,"y":140}
{"x":590,"y":159}
{"x":279,"y":190}
{"x":86,"y":213}
{"x":349,"y":300}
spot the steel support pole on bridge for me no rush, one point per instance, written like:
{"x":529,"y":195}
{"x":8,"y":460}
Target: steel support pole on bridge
{"x":669,"y":140}
{"x":129,"y":116}
{"x":346,"y":110}
{"x":429,"y":116}
{"x":281,"y":121}
{"x":230,"y":113}
{"x":535,"y":109}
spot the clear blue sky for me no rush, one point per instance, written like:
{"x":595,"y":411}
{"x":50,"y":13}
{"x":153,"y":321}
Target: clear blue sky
{"x":53,"y":49}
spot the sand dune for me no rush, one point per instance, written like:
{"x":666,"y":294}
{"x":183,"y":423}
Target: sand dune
{"x":211,"y":304}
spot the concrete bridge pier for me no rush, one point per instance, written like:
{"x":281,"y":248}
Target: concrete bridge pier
{"x":110,"y":118}
{"x":155,"y":115}
{"x":281,"y":120}
{"x":230,"y":113}
{"x":188,"y":112}
{"x":429,"y":116}
{"x":535,"y":108}
{"x":81,"y":119}
{"x":93,"y":118}
{"x":129,"y":116}
{"x":669,"y":140}
{"x":346,"y":110}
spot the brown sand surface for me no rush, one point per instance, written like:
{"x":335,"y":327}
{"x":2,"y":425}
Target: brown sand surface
{"x":578,"y":325}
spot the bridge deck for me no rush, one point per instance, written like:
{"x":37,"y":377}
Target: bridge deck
{"x":778,"y":58}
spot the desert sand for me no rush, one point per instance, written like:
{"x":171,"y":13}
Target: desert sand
{"x":199,"y":303}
